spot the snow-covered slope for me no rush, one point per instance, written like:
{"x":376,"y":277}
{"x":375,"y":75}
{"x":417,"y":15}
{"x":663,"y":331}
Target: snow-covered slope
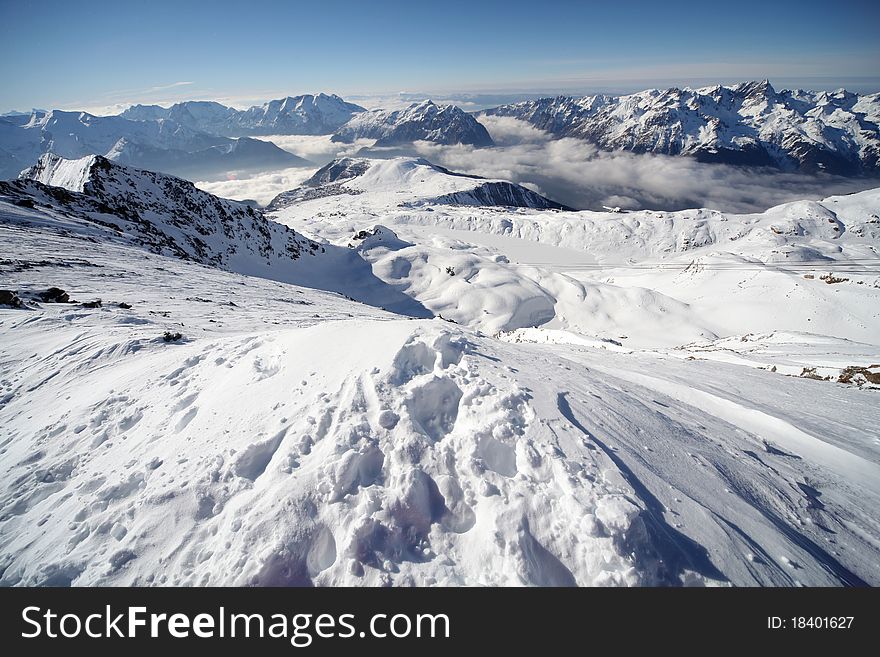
{"x":97,"y":199}
{"x":161,"y":144}
{"x":441,"y":124}
{"x":409,"y":182}
{"x":298,"y":115}
{"x":292,"y":437}
{"x":750,"y":123}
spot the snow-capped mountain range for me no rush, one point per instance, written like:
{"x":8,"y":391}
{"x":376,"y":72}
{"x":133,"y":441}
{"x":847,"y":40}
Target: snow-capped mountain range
{"x":162,"y":145}
{"x":411,"y":182}
{"x":201,"y":139}
{"x":441,"y":124}
{"x":750,"y":124}
{"x":307,"y":114}
{"x":747,"y":124}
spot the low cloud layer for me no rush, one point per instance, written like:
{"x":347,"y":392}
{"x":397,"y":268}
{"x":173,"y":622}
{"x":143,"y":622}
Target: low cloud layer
{"x":574,"y":172}
{"x":318,"y":148}
{"x":569,"y":171}
{"x":261,"y":188}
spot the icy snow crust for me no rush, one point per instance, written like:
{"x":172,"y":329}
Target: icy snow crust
{"x":563,"y":429}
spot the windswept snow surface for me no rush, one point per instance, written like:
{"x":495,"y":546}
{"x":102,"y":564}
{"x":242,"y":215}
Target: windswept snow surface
{"x":618,"y":399}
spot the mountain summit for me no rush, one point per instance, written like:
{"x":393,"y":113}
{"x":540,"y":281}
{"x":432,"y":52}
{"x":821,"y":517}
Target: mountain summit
{"x":441,"y":124}
{"x":410,"y":182}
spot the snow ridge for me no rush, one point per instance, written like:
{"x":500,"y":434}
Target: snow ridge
{"x":166,"y":214}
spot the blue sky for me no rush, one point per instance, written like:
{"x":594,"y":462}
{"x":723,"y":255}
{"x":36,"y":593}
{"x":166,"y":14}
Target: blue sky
{"x":102,"y":54}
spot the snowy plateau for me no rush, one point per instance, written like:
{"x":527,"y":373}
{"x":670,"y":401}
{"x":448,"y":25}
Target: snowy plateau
{"x":397,"y":374}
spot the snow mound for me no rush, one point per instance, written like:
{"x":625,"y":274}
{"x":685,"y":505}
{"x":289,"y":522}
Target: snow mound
{"x":398,"y":464}
{"x":456,"y":285}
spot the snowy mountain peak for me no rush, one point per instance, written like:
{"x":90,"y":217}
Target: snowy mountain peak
{"x":56,"y":171}
{"x":338,"y":170}
{"x":756,"y":88}
{"x":442,"y":124}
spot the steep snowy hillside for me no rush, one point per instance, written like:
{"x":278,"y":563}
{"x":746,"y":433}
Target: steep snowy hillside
{"x":291,"y":437}
{"x":162,"y":144}
{"x":299,"y":115}
{"x":750,"y":123}
{"x":441,"y":124}
{"x":93,"y":198}
{"x":409,"y":182}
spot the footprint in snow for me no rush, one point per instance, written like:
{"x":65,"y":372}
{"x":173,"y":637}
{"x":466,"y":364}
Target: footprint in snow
{"x":186,"y":419}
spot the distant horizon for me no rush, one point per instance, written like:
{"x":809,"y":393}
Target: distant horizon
{"x":104,"y":56}
{"x":472,"y":99}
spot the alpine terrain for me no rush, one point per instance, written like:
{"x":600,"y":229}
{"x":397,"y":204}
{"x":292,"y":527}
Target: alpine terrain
{"x":396,"y":374}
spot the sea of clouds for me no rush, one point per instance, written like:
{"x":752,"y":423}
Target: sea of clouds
{"x":570,"y":171}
